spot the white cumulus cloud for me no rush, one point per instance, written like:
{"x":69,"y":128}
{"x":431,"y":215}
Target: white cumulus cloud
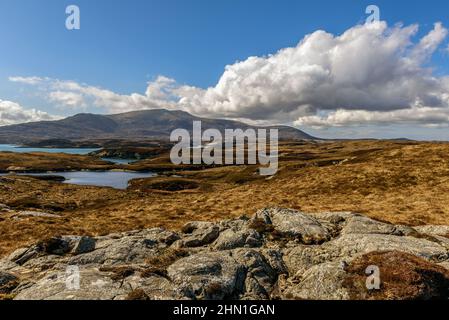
{"x":371,"y":73}
{"x":13,"y":113}
{"x":369,"y":67}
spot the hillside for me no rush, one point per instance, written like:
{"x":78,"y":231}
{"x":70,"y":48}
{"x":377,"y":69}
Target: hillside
{"x":145,"y":124}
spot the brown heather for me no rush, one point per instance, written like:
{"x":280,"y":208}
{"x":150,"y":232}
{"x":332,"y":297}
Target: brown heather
{"x":396,"y":181}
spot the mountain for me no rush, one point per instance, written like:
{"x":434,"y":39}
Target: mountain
{"x":145,"y":124}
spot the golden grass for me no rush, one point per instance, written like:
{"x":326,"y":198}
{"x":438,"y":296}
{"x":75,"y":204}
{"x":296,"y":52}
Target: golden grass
{"x":398,"y":182}
{"x":37,"y":161}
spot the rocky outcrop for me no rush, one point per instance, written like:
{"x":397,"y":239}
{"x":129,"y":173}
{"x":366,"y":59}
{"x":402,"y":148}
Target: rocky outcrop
{"x":276,"y":254}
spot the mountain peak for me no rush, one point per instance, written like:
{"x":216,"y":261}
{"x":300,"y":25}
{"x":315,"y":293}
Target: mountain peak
{"x":154,"y":124}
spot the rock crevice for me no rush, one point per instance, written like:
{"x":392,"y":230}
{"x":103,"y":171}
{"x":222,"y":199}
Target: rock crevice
{"x":276,"y":254}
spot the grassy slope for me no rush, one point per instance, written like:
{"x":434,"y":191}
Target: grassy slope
{"x":399,"y":182}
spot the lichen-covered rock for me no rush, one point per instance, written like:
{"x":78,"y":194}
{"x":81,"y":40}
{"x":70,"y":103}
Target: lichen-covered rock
{"x":434,"y":230}
{"x":199,"y":234}
{"x":260,"y":276}
{"x":364,"y":225}
{"x":351,"y":244}
{"x":154,"y":286}
{"x":237,"y":238}
{"x":132,"y":247}
{"x":279,"y":253}
{"x":320,"y":282}
{"x":295,"y":224}
{"x":208,"y":275}
{"x":89,"y":284}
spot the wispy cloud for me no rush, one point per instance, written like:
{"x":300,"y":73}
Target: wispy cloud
{"x":27,"y":80}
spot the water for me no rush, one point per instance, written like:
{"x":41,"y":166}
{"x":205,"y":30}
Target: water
{"x":114,"y":179}
{"x":13,"y":148}
{"x":77,"y":151}
{"x":119,"y":161}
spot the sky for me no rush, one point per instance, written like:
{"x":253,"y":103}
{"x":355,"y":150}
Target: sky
{"x":317,"y":65}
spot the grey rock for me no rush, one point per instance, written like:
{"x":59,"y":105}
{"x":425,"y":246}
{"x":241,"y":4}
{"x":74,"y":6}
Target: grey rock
{"x":260,"y":276}
{"x":155,"y":287}
{"x":131,"y":247}
{"x":402,"y":230}
{"x":321,"y":282}
{"x":335,"y":217}
{"x":224,"y":260}
{"x":364,"y":225}
{"x":275,"y":258}
{"x":37,"y":214}
{"x":434,"y":230}
{"x":17,"y":254}
{"x":345,"y":248}
{"x":199,"y":234}
{"x":295,"y":224}
{"x":351,"y":244}
{"x":237,"y":238}
{"x":62,"y":285}
{"x":21,"y":256}
{"x":80,"y":244}
{"x":42,"y":262}
{"x":208,"y":275}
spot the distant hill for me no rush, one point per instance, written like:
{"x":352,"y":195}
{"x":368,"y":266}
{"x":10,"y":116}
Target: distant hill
{"x":145,"y":124}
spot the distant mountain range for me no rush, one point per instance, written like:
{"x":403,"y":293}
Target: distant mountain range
{"x":136,"y":125}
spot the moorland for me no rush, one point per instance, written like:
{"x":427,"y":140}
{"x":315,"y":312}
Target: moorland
{"x":400,"y":182}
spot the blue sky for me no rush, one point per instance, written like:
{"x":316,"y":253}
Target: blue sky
{"x":123,"y":45}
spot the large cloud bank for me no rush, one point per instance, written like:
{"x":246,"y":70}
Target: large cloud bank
{"x":371,"y":73}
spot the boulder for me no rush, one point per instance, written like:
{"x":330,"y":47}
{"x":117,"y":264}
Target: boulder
{"x":350,"y":244}
{"x":80,"y":244}
{"x":237,"y":238}
{"x":199,"y":234}
{"x":131,"y":247}
{"x":154,"y":287}
{"x":260,"y":276}
{"x":320,"y":282}
{"x":208,"y":275}
{"x":294,"y":224}
{"x":89,"y":284}
{"x":365,"y":225}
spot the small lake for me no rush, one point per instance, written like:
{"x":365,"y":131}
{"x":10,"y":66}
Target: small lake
{"x":13,"y":148}
{"x":119,"y":161}
{"x":114,"y":179}
{"x":77,"y":151}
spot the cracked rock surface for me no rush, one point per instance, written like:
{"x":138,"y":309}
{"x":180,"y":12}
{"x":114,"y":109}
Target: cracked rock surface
{"x":276,"y":254}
